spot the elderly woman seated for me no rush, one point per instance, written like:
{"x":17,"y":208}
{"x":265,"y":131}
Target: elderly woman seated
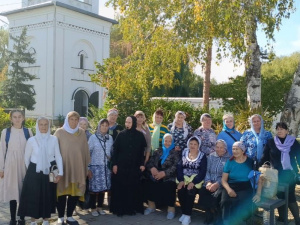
{"x":161,"y":187}
{"x":210,"y":192}
{"x":190,"y":173}
{"x":236,"y":200}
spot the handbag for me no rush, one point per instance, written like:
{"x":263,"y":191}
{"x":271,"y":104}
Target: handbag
{"x":53,"y":173}
{"x":270,"y":175}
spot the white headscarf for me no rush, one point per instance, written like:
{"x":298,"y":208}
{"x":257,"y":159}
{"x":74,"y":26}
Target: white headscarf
{"x":43,"y":163}
{"x":184,"y":126}
{"x":67,"y":127}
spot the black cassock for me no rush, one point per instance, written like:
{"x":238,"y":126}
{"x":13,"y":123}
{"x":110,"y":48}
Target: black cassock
{"x":128,"y":155}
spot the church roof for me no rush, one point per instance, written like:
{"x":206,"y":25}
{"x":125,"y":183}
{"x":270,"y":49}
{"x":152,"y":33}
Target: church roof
{"x":63,"y":5}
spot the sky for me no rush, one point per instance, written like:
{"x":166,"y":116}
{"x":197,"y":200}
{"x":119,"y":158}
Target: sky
{"x":287,"y":39}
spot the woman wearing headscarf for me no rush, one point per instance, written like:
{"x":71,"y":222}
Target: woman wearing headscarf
{"x":206,"y":134}
{"x":191,"y":171}
{"x":157,"y":130}
{"x":180,"y":131}
{"x":229,"y":134}
{"x":38,"y":197}
{"x":100,"y":145}
{"x":255,"y":138}
{"x":128,"y":163}
{"x":114,"y":127}
{"x":210,"y":192}
{"x":236,"y":200}
{"x":84,"y":124}
{"x":161,"y":186}
{"x":143,"y":127}
{"x":76,"y":158}
{"x":283,"y":152}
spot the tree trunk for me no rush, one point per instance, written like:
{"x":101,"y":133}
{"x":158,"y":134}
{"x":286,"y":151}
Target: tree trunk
{"x":291,"y":113}
{"x":253,"y":66}
{"x":206,"y":82}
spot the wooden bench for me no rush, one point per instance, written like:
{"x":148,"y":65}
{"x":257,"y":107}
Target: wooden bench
{"x":272,"y":204}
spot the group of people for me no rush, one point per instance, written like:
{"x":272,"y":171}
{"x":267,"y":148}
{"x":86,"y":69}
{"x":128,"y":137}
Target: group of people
{"x":142,"y":163}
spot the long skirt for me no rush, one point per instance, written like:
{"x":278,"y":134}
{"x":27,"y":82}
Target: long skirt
{"x":38,"y":196}
{"x":101,"y":179}
{"x":163,"y":193}
{"x":235,"y":210}
{"x":209,"y":200}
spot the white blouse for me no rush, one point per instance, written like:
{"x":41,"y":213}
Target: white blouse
{"x":32,"y":151}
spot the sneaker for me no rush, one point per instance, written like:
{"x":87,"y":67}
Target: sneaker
{"x":186,"y":220}
{"x":45,"y":222}
{"x":95,"y":213}
{"x":60,"y":221}
{"x":170,"y":215}
{"x":33,"y":223}
{"x":101,"y":212}
{"x":181,"y":218}
{"x":148,"y":211}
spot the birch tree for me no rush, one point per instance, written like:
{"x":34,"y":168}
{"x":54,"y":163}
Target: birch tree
{"x":291,"y":113}
{"x":165,"y":33}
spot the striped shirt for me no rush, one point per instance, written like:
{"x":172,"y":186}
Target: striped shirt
{"x":163,"y":130}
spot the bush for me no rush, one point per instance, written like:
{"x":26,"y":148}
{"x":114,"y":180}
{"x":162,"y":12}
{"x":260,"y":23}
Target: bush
{"x":243,"y":113}
{"x":30,"y":123}
{"x":170,"y":107}
{"x":4,"y":120}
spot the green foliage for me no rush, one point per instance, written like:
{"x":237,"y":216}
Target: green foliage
{"x":242,"y":114}
{"x":3,"y":47}
{"x":187,"y":84}
{"x":282,"y":67}
{"x":232,"y":93}
{"x":4,"y":119}
{"x":61,"y":120}
{"x":15,"y":92}
{"x":277,"y":77}
{"x":30,"y":123}
{"x":156,"y":37}
{"x":127,"y":108}
{"x":95,"y":115}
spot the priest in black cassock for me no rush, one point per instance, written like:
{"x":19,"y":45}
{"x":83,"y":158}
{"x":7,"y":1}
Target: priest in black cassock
{"x":128,"y":164}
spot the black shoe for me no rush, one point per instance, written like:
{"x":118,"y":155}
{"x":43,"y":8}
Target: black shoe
{"x":21,"y":222}
{"x":72,"y":222}
{"x":13,"y":222}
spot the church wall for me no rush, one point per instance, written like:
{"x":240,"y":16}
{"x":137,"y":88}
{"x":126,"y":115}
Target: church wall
{"x":40,"y":35}
{"x":58,"y":68}
{"x":77,"y":33}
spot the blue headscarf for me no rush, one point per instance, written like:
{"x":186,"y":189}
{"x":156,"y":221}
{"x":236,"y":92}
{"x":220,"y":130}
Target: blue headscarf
{"x":225,"y":128}
{"x":166,"y":151}
{"x":260,"y":137}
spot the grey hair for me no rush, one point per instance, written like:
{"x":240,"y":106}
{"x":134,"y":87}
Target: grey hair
{"x":223,"y":142}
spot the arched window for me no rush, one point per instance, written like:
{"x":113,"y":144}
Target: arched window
{"x":82,"y":56}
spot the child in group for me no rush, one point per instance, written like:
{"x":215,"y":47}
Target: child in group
{"x":12,"y":165}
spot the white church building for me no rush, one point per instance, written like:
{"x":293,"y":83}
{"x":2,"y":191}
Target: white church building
{"x":67,"y":37}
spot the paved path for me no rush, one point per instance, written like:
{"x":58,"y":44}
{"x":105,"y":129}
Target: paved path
{"x":84,"y":217}
{"x":158,"y":218}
